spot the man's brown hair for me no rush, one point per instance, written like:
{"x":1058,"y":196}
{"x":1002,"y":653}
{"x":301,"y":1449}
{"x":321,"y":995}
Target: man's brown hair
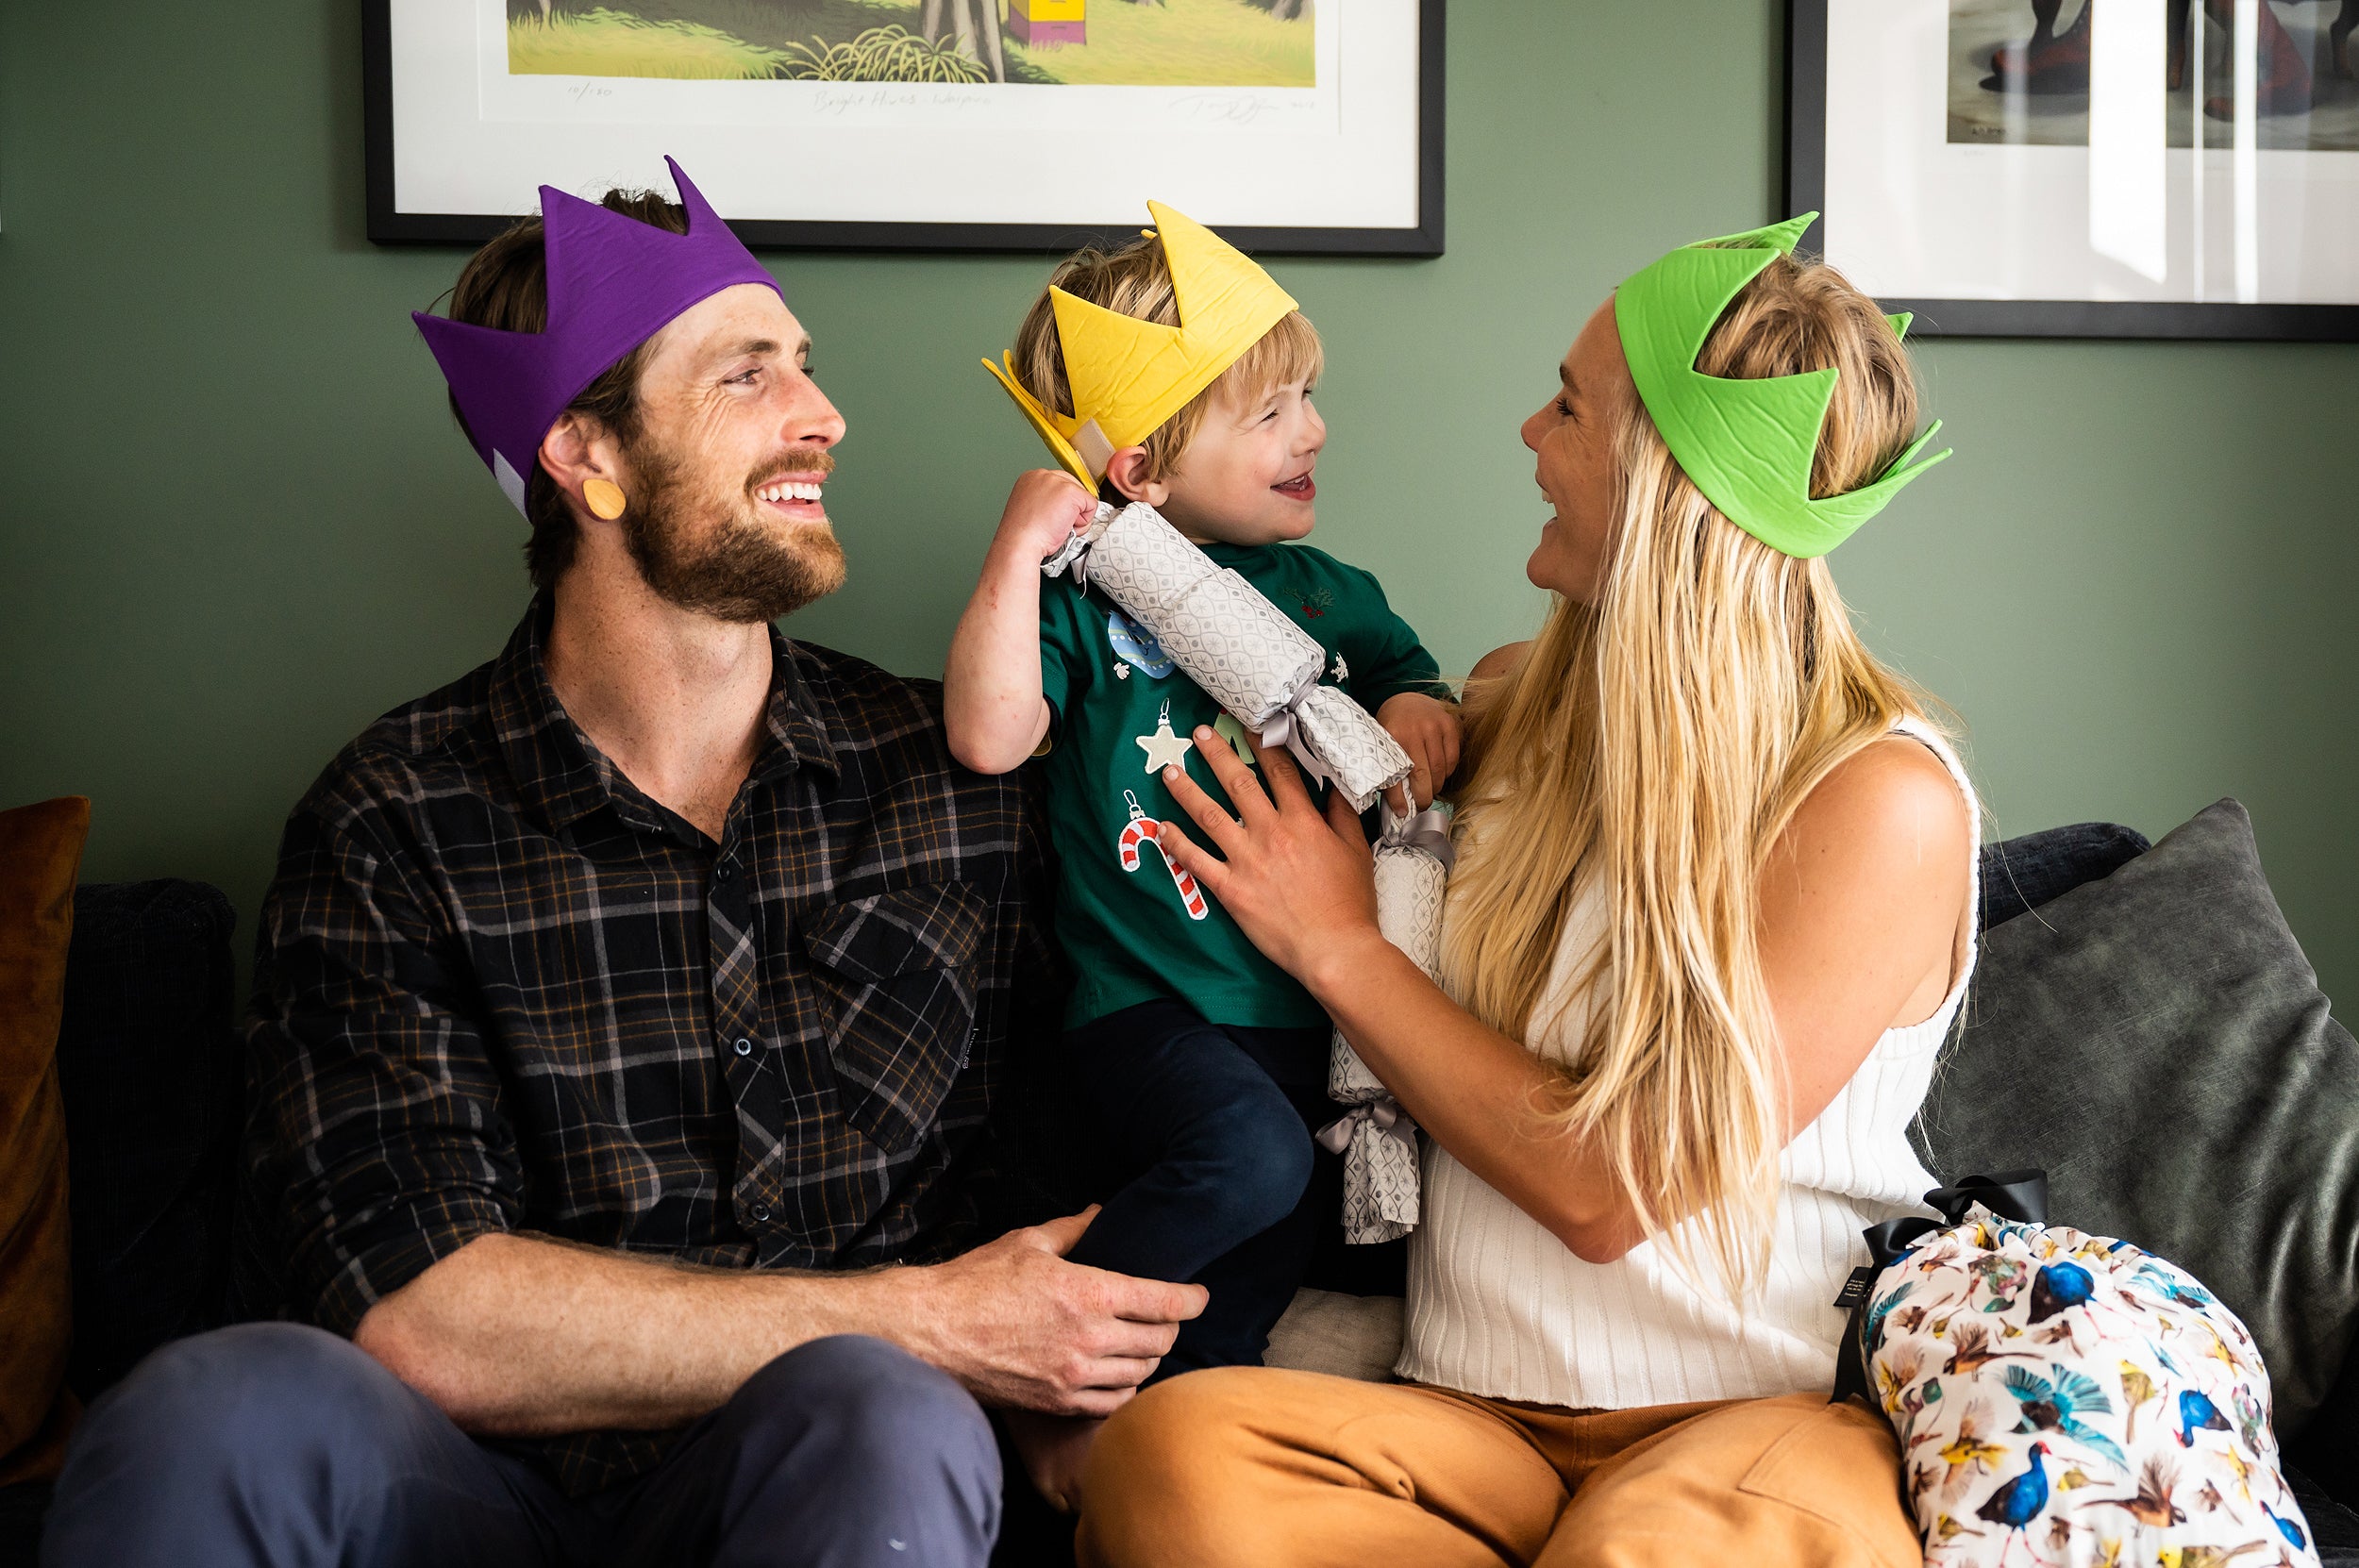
{"x":1134,"y":280}
{"x":506,"y":285}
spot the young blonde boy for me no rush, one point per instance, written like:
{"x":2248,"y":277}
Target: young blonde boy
{"x":1206,"y":1062}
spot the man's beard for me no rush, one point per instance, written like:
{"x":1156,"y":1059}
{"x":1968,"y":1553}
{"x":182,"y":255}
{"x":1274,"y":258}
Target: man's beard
{"x":705,"y":549}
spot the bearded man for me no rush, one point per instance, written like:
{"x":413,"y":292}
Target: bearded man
{"x":633,"y":1031}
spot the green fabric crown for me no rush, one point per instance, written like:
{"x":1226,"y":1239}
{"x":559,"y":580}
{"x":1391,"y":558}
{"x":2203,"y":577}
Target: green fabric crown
{"x":1748,"y":445}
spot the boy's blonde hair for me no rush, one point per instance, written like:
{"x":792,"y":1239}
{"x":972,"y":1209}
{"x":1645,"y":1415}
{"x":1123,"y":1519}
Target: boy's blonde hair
{"x":1134,"y":280}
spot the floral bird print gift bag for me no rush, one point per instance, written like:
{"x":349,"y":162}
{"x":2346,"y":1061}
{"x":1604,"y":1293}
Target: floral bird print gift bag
{"x":2063,"y":1398}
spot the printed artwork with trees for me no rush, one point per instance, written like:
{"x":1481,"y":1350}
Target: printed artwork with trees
{"x":1044,"y":43}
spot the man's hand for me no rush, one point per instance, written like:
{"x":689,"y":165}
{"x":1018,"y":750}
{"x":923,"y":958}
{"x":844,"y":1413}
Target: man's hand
{"x":1428,"y":731}
{"x":1045,"y":506}
{"x":1022,"y":1327}
{"x":523,"y":1335}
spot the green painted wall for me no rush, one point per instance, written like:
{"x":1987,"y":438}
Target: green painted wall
{"x":236,"y":524}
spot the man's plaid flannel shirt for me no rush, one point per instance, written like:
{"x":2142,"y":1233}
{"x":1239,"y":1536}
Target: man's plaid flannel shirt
{"x":500,"y":989}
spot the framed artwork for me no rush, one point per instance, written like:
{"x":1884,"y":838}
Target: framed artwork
{"x":2085,"y":168}
{"x":1290,"y":126}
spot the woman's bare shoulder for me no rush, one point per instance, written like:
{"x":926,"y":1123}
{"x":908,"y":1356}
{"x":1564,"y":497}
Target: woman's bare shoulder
{"x":1498,"y":661}
{"x":1893,"y":804}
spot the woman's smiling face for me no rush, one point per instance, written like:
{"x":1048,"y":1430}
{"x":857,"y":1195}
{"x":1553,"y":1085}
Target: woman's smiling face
{"x":1573,"y":437}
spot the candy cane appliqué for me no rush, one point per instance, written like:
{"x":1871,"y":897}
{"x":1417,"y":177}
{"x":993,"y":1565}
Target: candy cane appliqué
{"x":1145,"y":830}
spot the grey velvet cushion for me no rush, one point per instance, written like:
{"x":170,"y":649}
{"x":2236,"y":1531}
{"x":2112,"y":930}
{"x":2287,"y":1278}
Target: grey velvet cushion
{"x":2020,"y":874}
{"x":2157,"y":1041}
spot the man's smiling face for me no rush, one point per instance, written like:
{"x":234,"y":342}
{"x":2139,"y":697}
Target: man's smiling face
{"x":728,"y":466}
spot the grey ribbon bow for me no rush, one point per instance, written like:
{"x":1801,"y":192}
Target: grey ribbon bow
{"x":1427,"y":830}
{"x":1073,"y":553}
{"x":1284,"y":728}
{"x":1385,"y":1115}
{"x":1378,"y":1145}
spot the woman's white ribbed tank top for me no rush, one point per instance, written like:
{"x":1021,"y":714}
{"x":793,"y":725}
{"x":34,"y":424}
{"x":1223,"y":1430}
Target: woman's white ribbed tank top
{"x":1500,"y":1308}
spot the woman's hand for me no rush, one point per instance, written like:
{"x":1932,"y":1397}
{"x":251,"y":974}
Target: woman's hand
{"x":1303,"y":888}
{"x":1300,"y":886}
{"x":1428,"y":731}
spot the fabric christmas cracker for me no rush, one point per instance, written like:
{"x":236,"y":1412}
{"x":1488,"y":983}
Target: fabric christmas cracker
{"x":1263,"y":669}
{"x":1236,"y":644}
{"x":1377,"y":1138}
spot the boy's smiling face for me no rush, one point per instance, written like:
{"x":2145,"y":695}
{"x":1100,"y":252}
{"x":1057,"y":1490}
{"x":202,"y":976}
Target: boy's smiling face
{"x":1246,"y":477}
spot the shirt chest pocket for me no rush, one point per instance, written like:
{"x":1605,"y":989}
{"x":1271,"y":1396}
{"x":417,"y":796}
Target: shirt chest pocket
{"x":896,"y":976}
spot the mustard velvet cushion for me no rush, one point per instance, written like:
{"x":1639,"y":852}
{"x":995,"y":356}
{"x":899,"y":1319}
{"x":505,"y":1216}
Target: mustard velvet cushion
{"x":40,"y":850}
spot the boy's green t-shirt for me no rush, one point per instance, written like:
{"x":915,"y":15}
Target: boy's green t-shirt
{"x":1122,"y":711}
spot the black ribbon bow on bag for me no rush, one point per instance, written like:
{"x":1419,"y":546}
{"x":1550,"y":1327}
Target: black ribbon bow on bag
{"x":2018,"y":1196}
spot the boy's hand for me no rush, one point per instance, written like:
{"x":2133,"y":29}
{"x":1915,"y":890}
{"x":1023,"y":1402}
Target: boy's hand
{"x":1428,"y":731}
{"x":1046,"y":506}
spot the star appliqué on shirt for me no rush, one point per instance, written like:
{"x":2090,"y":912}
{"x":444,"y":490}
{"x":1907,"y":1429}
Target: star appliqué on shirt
{"x":1163,"y":748}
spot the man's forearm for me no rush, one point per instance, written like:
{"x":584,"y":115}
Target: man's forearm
{"x":519,"y":1336}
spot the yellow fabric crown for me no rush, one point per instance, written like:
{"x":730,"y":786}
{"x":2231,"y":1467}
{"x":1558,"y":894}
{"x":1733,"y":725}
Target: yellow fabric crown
{"x":1130,"y":375}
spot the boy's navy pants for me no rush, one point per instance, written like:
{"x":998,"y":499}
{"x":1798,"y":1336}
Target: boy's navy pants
{"x":1209,"y":1128}
{"x":272,"y":1446}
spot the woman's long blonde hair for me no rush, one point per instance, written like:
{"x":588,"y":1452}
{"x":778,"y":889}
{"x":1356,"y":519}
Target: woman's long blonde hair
{"x":1655,"y":746}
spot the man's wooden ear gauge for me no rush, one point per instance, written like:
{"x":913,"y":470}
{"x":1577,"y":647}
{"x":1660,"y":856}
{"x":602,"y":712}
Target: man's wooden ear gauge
{"x":604,"y":498}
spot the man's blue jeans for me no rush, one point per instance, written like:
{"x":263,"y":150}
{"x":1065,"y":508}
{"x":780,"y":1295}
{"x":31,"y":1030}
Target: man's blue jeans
{"x":279,"y":1446}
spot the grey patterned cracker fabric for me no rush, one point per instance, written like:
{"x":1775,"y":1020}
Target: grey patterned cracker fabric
{"x":1236,"y":644}
{"x":1380,"y":1184}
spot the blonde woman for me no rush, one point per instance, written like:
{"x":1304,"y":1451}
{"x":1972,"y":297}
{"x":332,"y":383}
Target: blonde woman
{"x":1713,"y":914}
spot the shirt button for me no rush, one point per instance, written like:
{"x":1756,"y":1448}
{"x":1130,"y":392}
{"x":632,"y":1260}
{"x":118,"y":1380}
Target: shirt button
{"x":744,"y":1047}
{"x":759,"y":1212}
{"x":724,"y":872}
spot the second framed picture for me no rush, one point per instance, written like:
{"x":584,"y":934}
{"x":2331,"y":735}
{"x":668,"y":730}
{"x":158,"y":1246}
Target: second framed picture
{"x":1301,"y":125}
{"x":2085,"y":167}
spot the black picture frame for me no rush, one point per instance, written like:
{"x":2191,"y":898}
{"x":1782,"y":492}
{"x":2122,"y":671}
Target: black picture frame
{"x":389,"y":225}
{"x":1806,"y":192}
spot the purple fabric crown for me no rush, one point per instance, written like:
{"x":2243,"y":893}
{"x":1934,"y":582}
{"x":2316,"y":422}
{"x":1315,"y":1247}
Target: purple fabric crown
{"x":613,"y":282}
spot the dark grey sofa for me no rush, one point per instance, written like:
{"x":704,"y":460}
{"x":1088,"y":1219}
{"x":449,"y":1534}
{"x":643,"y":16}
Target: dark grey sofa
{"x":149,"y":1059}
